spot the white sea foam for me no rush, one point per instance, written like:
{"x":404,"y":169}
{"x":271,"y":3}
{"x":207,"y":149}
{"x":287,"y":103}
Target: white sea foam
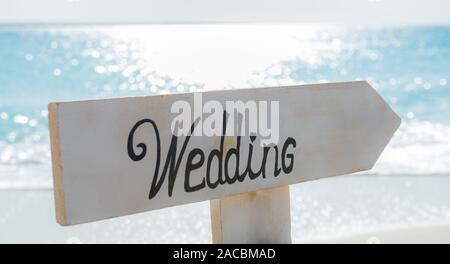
{"x":408,"y":67}
{"x":139,"y":60}
{"x":417,"y":148}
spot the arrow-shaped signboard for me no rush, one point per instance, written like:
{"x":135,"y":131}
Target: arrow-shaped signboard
{"x":115,"y":157}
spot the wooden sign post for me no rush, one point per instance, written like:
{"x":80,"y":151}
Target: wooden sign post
{"x":114,"y":157}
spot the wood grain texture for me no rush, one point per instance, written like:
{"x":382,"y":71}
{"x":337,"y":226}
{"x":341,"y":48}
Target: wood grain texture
{"x":216,"y":220}
{"x":261,"y":217}
{"x":57,"y":168}
{"x":339,"y":128}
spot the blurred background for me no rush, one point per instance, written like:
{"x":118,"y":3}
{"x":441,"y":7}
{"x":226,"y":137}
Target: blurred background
{"x":52,"y":50}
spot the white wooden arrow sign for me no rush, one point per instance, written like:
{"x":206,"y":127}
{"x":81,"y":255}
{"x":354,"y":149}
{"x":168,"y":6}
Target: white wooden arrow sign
{"x":114,"y":157}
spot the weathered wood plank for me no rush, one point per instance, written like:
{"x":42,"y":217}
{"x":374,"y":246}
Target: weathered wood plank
{"x":261,"y":217}
{"x":337,"y":128}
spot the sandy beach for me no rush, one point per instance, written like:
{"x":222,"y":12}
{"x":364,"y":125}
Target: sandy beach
{"x":396,"y":210}
{"x":414,"y":234}
{"x":403,"y":199}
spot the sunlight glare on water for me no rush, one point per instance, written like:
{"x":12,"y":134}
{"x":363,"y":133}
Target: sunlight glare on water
{"x":409,"y":67}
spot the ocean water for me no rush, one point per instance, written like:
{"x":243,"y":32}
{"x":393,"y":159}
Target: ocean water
{"x":410,"y":68}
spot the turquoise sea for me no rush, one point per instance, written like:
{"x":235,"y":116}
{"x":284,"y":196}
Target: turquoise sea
{"x":409,"y":66}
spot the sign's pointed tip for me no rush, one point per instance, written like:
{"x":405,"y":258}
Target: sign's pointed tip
{"x":398,"y":121}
